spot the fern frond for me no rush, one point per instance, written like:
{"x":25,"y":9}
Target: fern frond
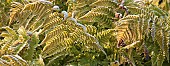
{"x":104,"y":10}
{"x":23,"y":32}
{"x":38,"y":7}
{"x":19,"y":47}
{"x":155,"y":8}
{"x":131,"y":45}
{"x":134,"y":10}
{"x":11,"y":32}
{"x":91,"y":29}
{"x":6,"y":35}
{"x":76,"y":34}
{"x":38,"y":23}
{"x":15,"y":11}
{"x":82,"y":12}
{"x":58,"y":38}
{"x":54,"y":32}
{"x":17,"y":5}
{"x":15,"y":60}
{"x":5,"y":48}
{"x":96,"y":17}
{"x":51,"y":24}
{"x":81,"y":7}
{"x":52,"y":49}
{"x":32,"y":14}
{"x":127,"y":31}
{"x":105,"y":35}
{"x":106,"y":3}
{"x":22,"y":61}
{"x":33,"y":43}
{"x":153,"y":29}
{"x":56,"y":56}
{"x":132,"y":17}
{"x":4,"y":62}
{"x":52,"y":16}
{"x":167,"y":46}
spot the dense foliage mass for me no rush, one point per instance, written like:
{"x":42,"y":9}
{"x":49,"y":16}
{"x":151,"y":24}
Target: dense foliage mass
{"x":84,"y":32}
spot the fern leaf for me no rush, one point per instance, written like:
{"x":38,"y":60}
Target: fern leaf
{"x":96,"y":17}
{"x":15,"y":11}
{"x":17,"y":5}
{"x":39,"y":61}
{"x":20,"y":47}
{"x":133,"y":17}
{"x":22,"y":32}
{"x":4,"y":62}
{"x":153,"y":29}
{"x":58,"y":38}
{"x":155,"y":8}
{"x":51,"y":24}
{"x":11,"y":32}
{"x":106,"y":3}
{"x":54,"y":32}
{"x":13,"y":60}
{"x":22,"y":61}
{"x":6,"y":35}
{"x":104,"y":10}
{"x":49,"y":51}
{"x":131,"y":45}
{"x":105,"y":34}
{"x":160,"y":59}
{"x":38,"y":7}
{"x":5,"y":48}
{"x":126,"y":31}
{"x":52,"y":16}
{"x":167,"y":46}
{"x":52,"y":49}
{"x":91,"y":29}
{"x":134,"y":10}
{"x":76,"y":34}
{"x":55,"y":57}
{"x":33,"y":43}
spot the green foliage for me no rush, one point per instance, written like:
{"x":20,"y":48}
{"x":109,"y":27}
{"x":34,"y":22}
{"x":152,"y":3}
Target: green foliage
{"x":84,"y":32}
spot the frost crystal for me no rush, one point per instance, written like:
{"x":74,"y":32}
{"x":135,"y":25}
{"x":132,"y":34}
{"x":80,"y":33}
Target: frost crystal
{"x":56,"y":8}
{"x":65,"y":14}
{"x":45,"y":2}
